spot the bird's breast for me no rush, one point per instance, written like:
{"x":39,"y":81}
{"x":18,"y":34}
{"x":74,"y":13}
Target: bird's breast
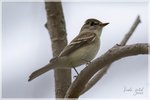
{"x":84,"y":54}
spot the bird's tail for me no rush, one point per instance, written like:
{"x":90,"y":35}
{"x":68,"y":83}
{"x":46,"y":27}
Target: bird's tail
{"x":44,"y":69}
{"x":40,"y":72}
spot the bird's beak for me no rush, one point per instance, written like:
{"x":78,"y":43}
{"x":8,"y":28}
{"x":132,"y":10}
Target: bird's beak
{"x":103,"y":24}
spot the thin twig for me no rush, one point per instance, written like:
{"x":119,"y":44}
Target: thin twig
{"x":132,"y":29}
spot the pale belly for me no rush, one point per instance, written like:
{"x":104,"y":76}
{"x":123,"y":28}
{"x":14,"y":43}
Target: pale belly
{"x":82,"y":56}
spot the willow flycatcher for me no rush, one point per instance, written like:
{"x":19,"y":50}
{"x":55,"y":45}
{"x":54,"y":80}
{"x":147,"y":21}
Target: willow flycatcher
{"x":82,"y":49}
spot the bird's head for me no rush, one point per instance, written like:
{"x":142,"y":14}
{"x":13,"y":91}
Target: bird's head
{"x":93,"y":24}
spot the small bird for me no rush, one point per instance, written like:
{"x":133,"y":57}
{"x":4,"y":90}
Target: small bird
{"x":81,"y":50}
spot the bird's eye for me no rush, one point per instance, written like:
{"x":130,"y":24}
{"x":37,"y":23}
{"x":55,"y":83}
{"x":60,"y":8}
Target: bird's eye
{"x":93,"y":23}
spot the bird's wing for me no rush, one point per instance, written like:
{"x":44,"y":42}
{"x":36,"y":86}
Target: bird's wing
{"x":80,"y":41}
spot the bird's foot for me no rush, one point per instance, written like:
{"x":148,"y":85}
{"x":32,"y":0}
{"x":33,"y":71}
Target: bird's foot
{"x":88,"y":63}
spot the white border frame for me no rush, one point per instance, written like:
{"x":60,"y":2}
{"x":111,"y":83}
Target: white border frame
{"x":106,"y":1}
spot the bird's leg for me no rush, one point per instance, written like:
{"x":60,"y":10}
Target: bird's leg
{"x":87,"y":62}
{"x":76,"y":72}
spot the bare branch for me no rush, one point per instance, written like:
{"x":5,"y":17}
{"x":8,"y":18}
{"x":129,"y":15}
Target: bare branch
{"x":132,"y":29}
{"x":57,"y":30}
{"x":95,"y":79}
{"x":102,"y":72}
{"x":110,"y":56}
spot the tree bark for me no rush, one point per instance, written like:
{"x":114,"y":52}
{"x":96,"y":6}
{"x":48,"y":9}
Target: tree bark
{"x":57,"y":31}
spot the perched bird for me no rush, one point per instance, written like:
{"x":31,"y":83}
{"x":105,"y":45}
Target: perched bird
{"x":82,"y":49}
